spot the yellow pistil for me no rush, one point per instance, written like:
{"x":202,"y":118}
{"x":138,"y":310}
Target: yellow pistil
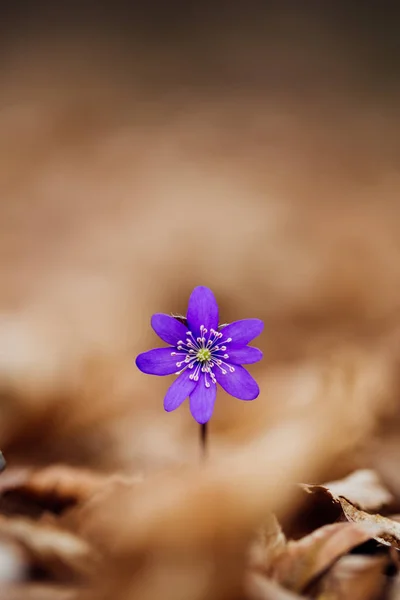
{"x":203,"y":355}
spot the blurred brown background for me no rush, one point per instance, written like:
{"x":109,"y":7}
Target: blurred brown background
{"x":146,"y":149}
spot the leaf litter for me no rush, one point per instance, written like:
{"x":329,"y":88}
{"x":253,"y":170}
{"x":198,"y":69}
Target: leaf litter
{"x":57,"y":550}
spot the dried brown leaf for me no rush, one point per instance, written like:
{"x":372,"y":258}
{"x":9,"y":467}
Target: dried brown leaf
{"x":354,"y":577}
{"x":38,"y":591}
{"x":394,"y":592}
{"x":13,"y":561}
{"x":304,"y":560}
{"x":269,"y":543}
{"x":54,"y":488}
{"x":259,"y":587}
{"x":55,"y":551}
{"x":362,"y":488}
{"x":387,"y":531}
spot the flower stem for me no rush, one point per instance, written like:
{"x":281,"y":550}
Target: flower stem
{"x":203,"y":439}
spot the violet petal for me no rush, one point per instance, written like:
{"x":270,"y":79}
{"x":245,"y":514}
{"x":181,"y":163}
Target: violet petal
{"x":157,"y":362}
{"x":202,"y":401}
{"x":242,"y":332}
{"x":179,"y":391}
{"x":245,"y":355}
{"x":239,"y":384}
{"x":168,"y":328}
{"x":202,"y":310}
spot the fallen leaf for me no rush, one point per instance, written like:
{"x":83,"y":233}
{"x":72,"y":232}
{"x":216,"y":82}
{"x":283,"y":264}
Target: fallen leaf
{"x":387,"y":531}
{"x":38,"y":591}
{"x":394,"y":591}
{"x":305,"y":559}
{"x":13,"y":562}
{"x":362,"y":488}
{"x":55,"y":488}
{"x":269,"y":542}
{"x":354,"y":577}
{"x":55,"y":551}
{"x":259,"y":587}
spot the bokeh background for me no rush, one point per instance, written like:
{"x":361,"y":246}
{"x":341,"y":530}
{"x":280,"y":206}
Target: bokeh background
{"x":146,"y":148}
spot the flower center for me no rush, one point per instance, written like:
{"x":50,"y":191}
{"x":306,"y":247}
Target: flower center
{"x":203,"y":355}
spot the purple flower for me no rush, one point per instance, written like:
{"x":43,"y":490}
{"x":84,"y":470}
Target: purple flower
{"x":202,"y":355}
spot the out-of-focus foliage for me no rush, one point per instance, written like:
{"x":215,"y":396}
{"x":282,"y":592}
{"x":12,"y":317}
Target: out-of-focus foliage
{"x":253,"y":153}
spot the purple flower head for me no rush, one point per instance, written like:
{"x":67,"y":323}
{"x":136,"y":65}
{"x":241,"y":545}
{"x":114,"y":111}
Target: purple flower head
{"x":202,"y":355}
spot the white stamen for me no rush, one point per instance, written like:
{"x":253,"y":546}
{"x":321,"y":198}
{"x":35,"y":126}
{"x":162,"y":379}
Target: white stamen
{"x":193,"y":355}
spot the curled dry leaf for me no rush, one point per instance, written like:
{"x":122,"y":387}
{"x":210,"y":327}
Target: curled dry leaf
{"x":38,"y":591}
{"x":304,"y":560}
{"x":362,"y":488}
{"x":387,"y":531}
{"x":55,"y":551}
{"x":354,"y":577}
{"x":258,"y":587}
{"x":54,"y":488}
{"x":270,"y":541}
{"x":394,"y":591}
{"x":71,"y":482}
{"x":13,"y":561}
